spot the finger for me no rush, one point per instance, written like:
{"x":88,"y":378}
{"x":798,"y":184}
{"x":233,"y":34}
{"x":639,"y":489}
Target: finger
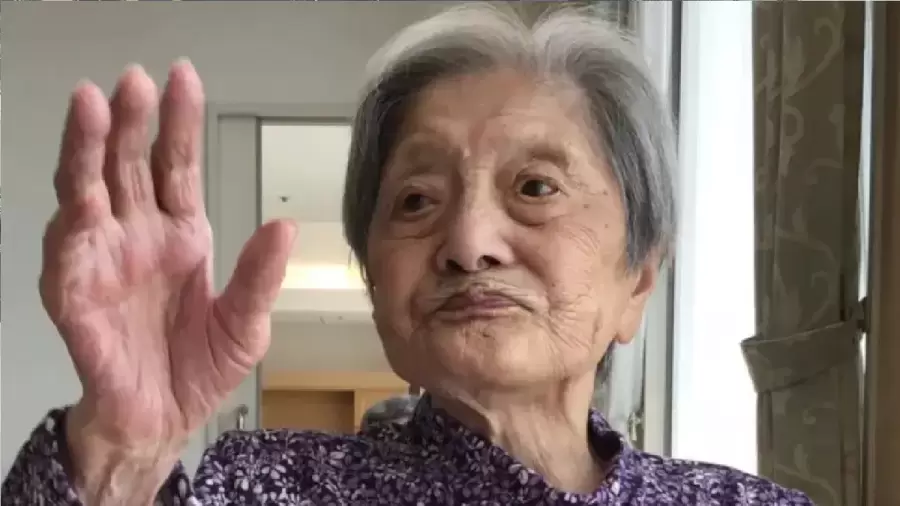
{"x":250,"y":295}
{"x":127,"y":170}
{"x":178,"y":147}
{"x":80,"y":189}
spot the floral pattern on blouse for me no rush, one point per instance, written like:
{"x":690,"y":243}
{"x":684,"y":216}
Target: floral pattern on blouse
{"x":431,"y":460}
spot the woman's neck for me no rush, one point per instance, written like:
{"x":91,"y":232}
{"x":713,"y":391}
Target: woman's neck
{"x":546,"y":431}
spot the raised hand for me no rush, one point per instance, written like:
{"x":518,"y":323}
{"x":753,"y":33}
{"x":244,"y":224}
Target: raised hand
{"x":127,"y":278}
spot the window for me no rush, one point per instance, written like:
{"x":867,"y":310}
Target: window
{"x":714,"y":415}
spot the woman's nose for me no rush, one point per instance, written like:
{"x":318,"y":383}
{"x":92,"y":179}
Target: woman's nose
{"x":475,"y":241}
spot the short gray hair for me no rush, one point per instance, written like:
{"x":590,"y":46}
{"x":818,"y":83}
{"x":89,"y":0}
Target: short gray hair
{"x":630,"y":118}
{"x":392,"y":410}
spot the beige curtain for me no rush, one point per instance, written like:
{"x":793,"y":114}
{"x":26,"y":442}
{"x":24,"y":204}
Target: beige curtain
{"x":805,"y":360}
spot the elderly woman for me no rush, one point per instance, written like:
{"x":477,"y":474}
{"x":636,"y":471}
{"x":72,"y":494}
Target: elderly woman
{"x":508,"y":193}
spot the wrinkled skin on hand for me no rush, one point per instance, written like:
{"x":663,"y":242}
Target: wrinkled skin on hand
{"x":127,"y":267}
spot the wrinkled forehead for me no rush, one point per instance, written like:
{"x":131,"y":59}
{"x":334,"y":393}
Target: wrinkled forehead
{"x":500,"y":110}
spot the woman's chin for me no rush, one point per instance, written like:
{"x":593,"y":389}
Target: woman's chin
{"x":496,"y":356}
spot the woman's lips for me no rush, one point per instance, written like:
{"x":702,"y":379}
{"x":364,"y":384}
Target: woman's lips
{"x":468,"y":306}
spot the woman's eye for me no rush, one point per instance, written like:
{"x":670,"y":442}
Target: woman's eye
{"x":414,"y":202}
{"x":537,"y":188}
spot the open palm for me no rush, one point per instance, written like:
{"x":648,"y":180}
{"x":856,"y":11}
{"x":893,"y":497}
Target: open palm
{"x":128,"y":259}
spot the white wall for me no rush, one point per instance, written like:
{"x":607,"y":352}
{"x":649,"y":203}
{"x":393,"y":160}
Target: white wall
{"x":303,"y":170}
{"x":308,"y":346}
{"x":247,"y":53}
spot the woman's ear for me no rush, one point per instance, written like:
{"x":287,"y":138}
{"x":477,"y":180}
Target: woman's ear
{"x":641,"y":283}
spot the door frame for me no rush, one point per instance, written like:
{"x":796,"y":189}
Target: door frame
{"x":882,"y":441}
{"x":216,"y":192}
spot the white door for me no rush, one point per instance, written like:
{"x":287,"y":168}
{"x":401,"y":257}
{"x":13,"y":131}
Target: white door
{"x":233,"y":207}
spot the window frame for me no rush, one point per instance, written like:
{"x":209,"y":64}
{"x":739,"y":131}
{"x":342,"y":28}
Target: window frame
{"x":658,"y":28}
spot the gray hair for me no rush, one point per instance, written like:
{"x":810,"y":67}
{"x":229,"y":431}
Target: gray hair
{"x":629,"y":116}
{"x":391,"y":410}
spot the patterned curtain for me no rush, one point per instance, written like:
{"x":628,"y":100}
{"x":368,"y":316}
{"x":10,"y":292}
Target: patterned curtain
{"x":805,"y":359}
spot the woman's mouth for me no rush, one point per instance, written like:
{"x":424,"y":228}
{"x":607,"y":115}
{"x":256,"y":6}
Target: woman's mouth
{"x":477,"y":306}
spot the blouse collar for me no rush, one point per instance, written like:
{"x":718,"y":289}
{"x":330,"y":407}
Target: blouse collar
{"x":440,"y":432}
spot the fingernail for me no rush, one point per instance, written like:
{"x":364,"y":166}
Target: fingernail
{"x":181,"y":63}
{"x":81,"y":89}
{"x":133,"y":67}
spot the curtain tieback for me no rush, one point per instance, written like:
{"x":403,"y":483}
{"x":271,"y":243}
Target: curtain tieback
{"x":779,"y":362}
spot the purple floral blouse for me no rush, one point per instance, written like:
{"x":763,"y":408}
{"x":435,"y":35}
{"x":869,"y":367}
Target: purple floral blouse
{"x":431,"y":460}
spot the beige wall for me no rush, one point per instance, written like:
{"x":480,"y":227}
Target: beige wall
{"x":306,"y":346}
{"x":883,"y":463}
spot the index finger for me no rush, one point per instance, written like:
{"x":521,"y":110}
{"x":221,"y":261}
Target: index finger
{"x":80,"y":189}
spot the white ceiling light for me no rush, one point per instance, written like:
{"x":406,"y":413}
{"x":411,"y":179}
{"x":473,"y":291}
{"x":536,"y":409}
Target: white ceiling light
{"x":322,"y":277}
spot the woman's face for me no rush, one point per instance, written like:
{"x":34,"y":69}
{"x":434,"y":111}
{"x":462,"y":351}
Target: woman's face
{"x":497,"y":249}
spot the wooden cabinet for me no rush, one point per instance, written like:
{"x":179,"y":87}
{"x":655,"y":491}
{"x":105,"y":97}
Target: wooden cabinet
{"x":330,"y":401}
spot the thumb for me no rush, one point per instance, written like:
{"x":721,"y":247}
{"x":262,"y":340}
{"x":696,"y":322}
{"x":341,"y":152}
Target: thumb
{"x":257,"y":278}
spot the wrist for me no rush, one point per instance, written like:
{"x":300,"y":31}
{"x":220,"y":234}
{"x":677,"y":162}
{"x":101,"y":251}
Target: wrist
{"x":112,"y":473}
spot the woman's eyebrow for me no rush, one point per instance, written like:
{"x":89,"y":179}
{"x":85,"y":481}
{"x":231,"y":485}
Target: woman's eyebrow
{"x":421,"y":153}
{"x":547,"y":151}
{"x":541,"y":150}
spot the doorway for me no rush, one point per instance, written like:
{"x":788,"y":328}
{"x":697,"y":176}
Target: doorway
{"x":325,"y":366}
